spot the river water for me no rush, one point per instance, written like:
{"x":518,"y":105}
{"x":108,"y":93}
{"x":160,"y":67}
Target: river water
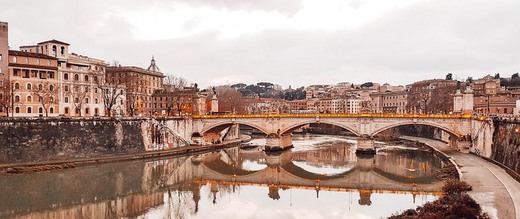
{"x":321,"y":177}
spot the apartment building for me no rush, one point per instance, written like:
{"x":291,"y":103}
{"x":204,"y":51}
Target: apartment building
{"x":172,"y":101}
{"x":140,"y":86}
{"x":78,"y":77}
{"x":33,"y":84}
{"x":389,"y":102}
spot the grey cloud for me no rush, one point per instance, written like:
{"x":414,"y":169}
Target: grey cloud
{"x":285,"y":6}
{"x":419,"y":42}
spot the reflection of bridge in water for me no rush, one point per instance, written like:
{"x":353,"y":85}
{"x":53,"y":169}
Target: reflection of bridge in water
{"x":379,"y":174}
{"x":132,"y":188}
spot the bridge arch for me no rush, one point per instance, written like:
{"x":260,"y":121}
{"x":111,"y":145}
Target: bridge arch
{"x":427,"y":123}
{"x":230,"y":123}
{"x":300,"y":124}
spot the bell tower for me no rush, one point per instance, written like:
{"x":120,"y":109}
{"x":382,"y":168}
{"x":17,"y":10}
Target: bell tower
{"x":4,"y":51}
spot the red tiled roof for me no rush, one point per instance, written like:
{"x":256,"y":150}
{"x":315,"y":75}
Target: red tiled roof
{"x":30,"y":54}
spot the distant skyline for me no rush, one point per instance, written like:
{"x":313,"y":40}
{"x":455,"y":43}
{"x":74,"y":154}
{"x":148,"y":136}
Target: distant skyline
{"x":290,"y":42}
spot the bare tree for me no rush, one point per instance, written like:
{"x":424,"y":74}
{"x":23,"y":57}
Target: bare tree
{"x":111,"y":89}
{"x":229,"y":100}
{"x":180,"y":97}
{"x":7,"y":96}
{"x":132,"y":101}
{"x":47,"y":94}
{"x":175,"y":82}
{"x":78,"y":96}
{"x":438,"y":100}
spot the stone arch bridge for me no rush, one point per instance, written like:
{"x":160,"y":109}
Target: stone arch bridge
{"x":279,"y":127}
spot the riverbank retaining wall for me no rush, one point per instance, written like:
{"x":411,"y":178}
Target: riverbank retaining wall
{"x":40,"y":140}
{"x":506,"y":143}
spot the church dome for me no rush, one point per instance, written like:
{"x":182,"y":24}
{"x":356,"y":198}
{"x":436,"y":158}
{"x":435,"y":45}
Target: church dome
{"x":153,"y":67}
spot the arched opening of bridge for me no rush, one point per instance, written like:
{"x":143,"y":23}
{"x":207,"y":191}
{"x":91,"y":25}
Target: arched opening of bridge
{"x":283,"y":138}
{"x":455,"y":140}
{"x":228,"y":132}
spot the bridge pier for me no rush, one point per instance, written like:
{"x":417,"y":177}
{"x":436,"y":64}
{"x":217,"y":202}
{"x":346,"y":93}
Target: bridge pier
{"x":365,"y":163}
{"x":278,"y":142}
{"x":278,"y":159}
{"x":365,"y":146}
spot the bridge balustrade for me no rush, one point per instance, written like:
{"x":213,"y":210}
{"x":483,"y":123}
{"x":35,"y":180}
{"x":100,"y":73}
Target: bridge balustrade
{"x":336,"y":115}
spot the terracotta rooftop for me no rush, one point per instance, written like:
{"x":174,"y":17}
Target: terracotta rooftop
{"x":30,"y":54}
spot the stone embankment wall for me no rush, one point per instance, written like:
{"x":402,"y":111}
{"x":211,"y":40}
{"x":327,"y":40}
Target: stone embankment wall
{"x":506,"y":143}
{"x":50,"y":139}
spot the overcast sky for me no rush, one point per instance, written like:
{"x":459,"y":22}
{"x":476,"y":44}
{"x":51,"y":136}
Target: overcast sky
{"x":287,"y":42}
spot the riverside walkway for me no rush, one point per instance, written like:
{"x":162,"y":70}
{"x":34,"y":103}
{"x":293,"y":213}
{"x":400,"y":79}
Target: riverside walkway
{"x":493,"y":188}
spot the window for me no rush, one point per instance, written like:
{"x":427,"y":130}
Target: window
{"x":86,"y":100}
{"x":96,"y":111}
{"x":51,"y":110}
{"x":51,"y":87}
{"x":76,"y":100}
{"x":16,"y":86}
{"x":29,"y":99}
{"x":62,"y":50}
{"x":76,"y":77}
{"x":96,"y":101}
{"x":14,"y":59}
{"x":29,"y":110}
{"x":26,"y":60}
{"x":40,"y":86}
{"x":17,"y":110}
{"x":40,"y":110}
{"x":66,"y":87}
{"x":28,"y":86}
{"x":66,"y":110}
{"x":86,"y":77}
{"x":66,"y":100}
{"x":66,"y":76}
{"x":0,"y":57}
{"x":77,"y":111}
{"x":87,"y":111}
{"x":51,"y":74}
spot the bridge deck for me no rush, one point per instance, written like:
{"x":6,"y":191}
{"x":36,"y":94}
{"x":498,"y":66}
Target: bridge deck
{"x":337,"y":115}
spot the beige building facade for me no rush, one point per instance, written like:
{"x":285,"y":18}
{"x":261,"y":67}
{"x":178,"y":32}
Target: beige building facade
{"x":33,"y":83}
{"x":79,"y":95}
{"x":140,"y":86}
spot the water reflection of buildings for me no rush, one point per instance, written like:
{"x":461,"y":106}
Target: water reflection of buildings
{"x":133,"y":188}
{"x":104,"y":191}
{"x":125,"y":207}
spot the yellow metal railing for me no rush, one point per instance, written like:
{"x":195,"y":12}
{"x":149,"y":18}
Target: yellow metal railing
{"x":337,"y":115}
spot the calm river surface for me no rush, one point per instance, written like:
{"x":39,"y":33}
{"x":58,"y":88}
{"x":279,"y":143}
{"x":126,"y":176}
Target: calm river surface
{"x":321,"y":177}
